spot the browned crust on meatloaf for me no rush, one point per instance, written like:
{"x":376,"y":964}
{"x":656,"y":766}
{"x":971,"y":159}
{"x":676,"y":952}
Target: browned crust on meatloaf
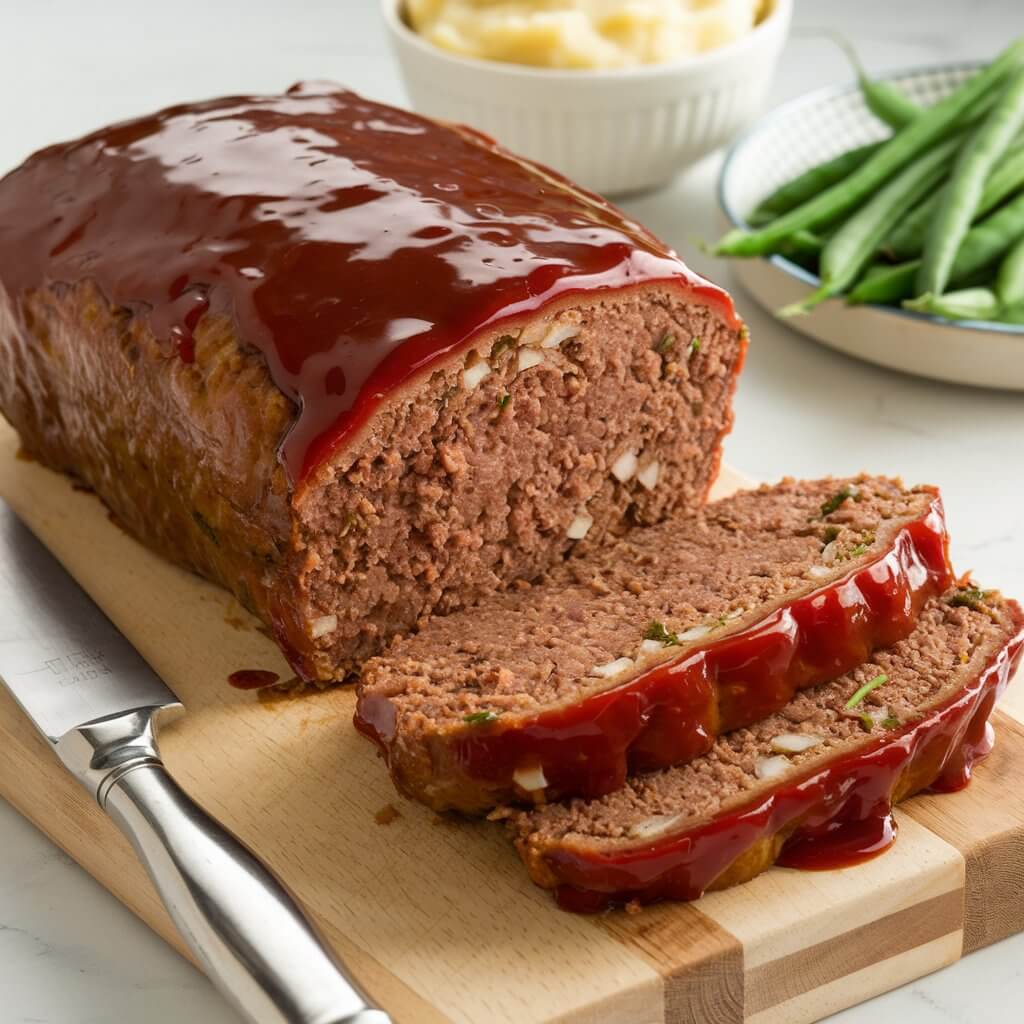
{"x":184,"y":455}
{"x":177,"y":451}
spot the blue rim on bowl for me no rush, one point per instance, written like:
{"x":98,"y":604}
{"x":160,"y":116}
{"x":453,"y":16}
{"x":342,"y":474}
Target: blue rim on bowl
{"x":765,"y":123}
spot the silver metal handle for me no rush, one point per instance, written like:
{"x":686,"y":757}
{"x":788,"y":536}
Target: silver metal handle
{"x":247,"y":931}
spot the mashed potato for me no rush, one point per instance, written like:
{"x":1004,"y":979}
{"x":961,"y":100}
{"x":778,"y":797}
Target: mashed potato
{"x":582,"y":33}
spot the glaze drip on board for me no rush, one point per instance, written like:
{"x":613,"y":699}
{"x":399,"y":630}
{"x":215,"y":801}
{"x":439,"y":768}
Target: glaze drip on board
{"x":252,"y":679}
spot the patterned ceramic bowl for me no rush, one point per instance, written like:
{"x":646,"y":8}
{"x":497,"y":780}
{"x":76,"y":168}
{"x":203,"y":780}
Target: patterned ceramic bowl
{"x":806,"y":132}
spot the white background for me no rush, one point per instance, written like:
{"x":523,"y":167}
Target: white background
{"x":69,"y":954}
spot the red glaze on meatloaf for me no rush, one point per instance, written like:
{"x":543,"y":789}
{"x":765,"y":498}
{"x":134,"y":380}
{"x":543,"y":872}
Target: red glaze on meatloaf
{"x":353,"y":364}
{"x":634,"y":656}
{"x":811,"y":786}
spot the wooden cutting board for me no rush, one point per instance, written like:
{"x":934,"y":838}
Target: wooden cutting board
{"x":437,"y":918}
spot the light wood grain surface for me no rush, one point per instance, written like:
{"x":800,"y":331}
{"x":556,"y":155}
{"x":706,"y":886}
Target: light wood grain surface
{"x":436,"y":917}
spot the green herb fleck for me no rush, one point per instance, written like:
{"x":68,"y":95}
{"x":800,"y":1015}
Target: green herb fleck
{"x":835,"y":501}
{"x":859,"y":549}
{"x":867,"y":723}
{"x":891,"y":722}
{"x":694,"y":346}
{"x":968,"y":597}
{"x":480,"y":717}
{"x":503,"y":344}
{"x":666,"y":343}
{"x":657,"y":631}
{"x":503,"y":401}
{"x":208,"y":530}
{"x":871,"y":684}
{"x":745,"y":332}
{"x":722,"y":620}
{"x":831,"y":532}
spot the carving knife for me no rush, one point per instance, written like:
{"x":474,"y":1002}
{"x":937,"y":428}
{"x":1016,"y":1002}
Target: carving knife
{"x":96,"y":701}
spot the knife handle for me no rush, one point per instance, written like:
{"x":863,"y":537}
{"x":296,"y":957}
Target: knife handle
{"x":243,"y":925}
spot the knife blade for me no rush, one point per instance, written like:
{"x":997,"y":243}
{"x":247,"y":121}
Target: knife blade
{"x":60,"y":656}
{"x":96,"y":700}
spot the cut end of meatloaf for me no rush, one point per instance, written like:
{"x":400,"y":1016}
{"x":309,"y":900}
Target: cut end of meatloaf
{"x":615,"y":612}
{"x":596,"y":416}
{"x":959,"y":637}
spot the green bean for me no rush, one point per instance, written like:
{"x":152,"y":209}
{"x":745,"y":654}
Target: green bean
{"x":876,"y":270}
{"x":804,"y":249}
{"x":890,"y":104}
{"x":988,"y":241}
{"x":816,"y":179}
{"x":802,"y":243}
{"x":957,"y":208}
{"x":807,"y":185}
{"x":931,"y":126}
{"x":1006,"y":178}
{"x":984,"y":244}
{"x":969,"y":304}
{"x":884,"y":285}
{"x":886,"y":101}
{"x":848,"y":251}
{"x":1010,"y":279}
{"x":977,"y":110}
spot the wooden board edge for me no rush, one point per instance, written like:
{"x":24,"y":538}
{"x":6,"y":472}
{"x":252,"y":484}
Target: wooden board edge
{"x":779,"y":981}
{"x":985,"y":823}
{"x":860,"y":986}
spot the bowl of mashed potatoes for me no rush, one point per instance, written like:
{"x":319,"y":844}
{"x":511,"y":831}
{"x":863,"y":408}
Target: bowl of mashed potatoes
{"x":619,"y":95}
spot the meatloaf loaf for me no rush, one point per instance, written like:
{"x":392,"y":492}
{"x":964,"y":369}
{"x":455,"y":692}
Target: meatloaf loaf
{"x":634,"y":655}
{"x":355,"y":365}
{"x":812,"y":785}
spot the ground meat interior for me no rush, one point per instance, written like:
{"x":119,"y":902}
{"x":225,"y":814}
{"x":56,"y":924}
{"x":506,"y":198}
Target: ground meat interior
{"x":709,"y":573}
{"x":481,"y":478}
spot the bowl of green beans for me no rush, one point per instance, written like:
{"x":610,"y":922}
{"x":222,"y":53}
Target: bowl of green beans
{"x":886,"y":218}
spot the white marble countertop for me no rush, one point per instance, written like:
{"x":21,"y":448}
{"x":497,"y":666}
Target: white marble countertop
{"x":69,"y":953}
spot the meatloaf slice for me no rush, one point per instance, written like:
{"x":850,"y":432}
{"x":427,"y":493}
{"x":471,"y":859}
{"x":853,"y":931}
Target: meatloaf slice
{"x":356,"y":366}
{"x":634,"y":655}
{"x":810,"y":786}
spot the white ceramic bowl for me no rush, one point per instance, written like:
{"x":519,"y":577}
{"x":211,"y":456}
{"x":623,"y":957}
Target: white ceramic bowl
{"x":806,"y":132}
{"x":616,"y":131}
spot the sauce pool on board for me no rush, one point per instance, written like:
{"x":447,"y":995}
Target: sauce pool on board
{"x":252,"y":679}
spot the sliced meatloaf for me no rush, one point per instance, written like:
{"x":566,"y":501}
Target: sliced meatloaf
{"x":812,"y":785}
{"x":354,"y":365}
{"x":636,"y":654}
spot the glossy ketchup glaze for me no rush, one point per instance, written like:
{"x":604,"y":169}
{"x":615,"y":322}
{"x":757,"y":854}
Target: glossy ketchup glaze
{"x":835,"y":816}
{"x":673,"y":712}
{"x":352,"y":243}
